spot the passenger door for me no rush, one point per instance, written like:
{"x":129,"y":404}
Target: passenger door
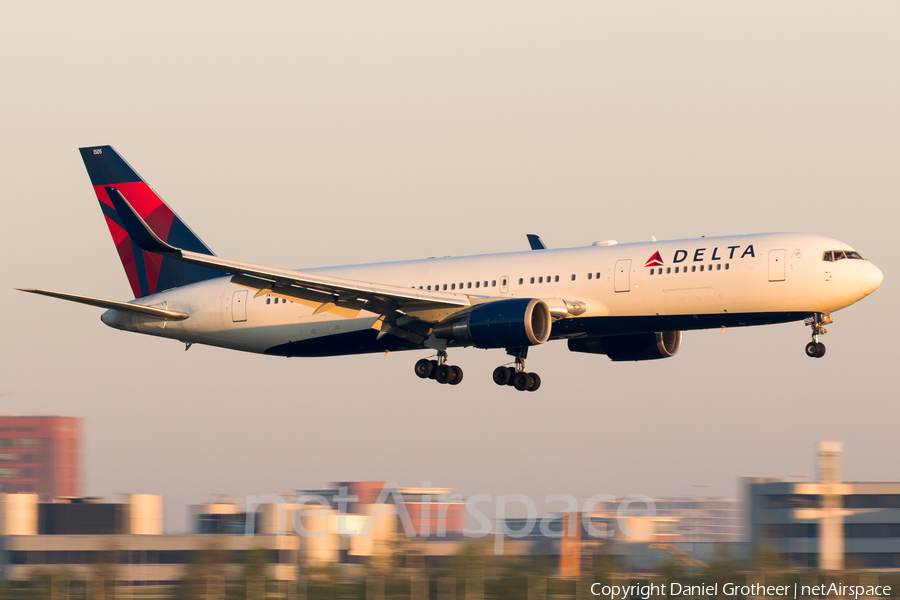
{"x":776,"y":265}
{"x":622,"y":276}
{"x":239,"y":306}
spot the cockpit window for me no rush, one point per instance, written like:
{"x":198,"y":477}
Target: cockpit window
{"x":836,"y":255}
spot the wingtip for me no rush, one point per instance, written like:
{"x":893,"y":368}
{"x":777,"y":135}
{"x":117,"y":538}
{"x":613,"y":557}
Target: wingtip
{"x":137,"y":228}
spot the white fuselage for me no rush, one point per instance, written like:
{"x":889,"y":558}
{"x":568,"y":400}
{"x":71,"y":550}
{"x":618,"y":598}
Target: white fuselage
{"x":695,"y":284}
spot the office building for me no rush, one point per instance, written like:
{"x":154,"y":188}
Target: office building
{"x":828,"y":524}
{"x":40,"y":455}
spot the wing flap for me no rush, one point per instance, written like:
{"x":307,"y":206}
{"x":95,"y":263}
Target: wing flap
{"x":320,"y":301}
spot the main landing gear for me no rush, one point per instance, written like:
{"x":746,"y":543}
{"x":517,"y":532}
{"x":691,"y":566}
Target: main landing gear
{"x":816,"y":349}
{"x":439,"y":370}
{"x":516,"y":376}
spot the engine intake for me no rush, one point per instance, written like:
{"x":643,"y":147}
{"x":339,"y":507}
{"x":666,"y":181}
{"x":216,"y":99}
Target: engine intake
{"x":641,"y":346}
{"x":500,"y":324}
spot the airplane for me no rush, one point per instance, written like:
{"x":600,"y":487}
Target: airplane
{"x":629,"y":301}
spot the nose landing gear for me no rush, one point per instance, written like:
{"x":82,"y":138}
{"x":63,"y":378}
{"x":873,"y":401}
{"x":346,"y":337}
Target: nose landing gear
{"x":816,"y":349}
{"x":516,"y":376}
{"x":439,"y":370}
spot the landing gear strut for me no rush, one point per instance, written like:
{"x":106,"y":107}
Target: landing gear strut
{"x":516,"y":376}
{"x":439,"y":370}
{"x":816,"y":349}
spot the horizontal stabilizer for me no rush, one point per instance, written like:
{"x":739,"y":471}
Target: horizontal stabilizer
{"x":149,"y":311}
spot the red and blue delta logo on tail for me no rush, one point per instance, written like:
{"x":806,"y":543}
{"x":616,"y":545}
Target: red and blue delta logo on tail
{"x":147,"y":273}
{"x":654,"y":261}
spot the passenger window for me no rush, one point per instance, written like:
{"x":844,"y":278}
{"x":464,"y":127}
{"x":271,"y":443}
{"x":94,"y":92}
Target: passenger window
{"x":540,"y":280}
{"x":573,"y":276}
{"x":548,"y":279}
{"x":701,"y":268}
{"x":469,"y":286}
{"x":532,"y":280}
{"x":477,"y":284}
{"x":445,"y":287}
{"x":651,"y":271}
{"x":429,"y":288}
{"x":676,"y":269}
{"x":693,"y":268}
{"x":719,"y":267}
{"x":589,"y":275}
{"x":268,"y":301}
{"x":452,"y":286}
{"x":494,"y":282}
{"x":598,"y":275}
{"x":521,"y":281}
{"x":669,"y":270}
{"x":726,"y":266}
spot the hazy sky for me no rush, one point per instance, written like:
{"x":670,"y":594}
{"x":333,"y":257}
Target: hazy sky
{"x":318,"y":134}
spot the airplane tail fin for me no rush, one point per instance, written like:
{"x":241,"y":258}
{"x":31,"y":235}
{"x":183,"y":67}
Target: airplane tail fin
{"x":147,"y":273}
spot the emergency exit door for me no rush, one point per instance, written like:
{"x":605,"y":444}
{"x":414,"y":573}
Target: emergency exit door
{"x":623,"y":276}
{"x":776,"y":265}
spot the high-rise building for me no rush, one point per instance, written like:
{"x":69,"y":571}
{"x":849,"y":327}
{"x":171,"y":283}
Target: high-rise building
{"x":40,"y":455}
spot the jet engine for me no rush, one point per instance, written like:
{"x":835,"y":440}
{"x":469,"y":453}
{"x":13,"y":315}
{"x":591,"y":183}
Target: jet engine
{"x":641,"y":346}
{"x":500,"y":324}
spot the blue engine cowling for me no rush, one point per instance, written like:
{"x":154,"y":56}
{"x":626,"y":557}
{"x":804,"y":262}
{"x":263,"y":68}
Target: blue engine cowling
{"x":500,"y":324}
{"x":641,"y":346}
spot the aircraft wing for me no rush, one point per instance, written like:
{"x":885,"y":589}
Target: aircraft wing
{"x":333,"y":294}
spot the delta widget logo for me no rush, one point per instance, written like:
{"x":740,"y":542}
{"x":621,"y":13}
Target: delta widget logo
{"x":654,"y":261}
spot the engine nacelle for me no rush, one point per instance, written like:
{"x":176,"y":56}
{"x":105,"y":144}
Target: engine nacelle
{"x":500,"y":324}
{"x":641,"y":346}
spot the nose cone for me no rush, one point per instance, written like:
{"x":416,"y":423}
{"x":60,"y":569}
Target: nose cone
{"x":870,"y":277}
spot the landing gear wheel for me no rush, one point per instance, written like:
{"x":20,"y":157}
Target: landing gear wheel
{"x":443,"y":374}
{"x":522,"y":381}
{"x":816,"y":349}
{"x":434,"y":366}
{"x":501,"y":376}
{"x":512,"y":375}
{"x":424,"y":368}
{"x":535,"y":382}
{"x":457,"y":376}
